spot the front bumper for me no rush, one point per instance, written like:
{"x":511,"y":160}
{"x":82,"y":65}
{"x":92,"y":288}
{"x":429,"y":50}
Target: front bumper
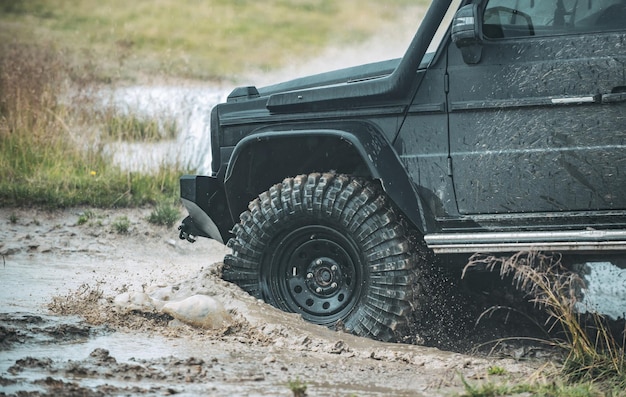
{"x":204,"y":198}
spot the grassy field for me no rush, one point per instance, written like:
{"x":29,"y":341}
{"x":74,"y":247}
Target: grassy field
{"x":215,"y":39}
{"x":51,"y":142}
{"x":51,"y":151}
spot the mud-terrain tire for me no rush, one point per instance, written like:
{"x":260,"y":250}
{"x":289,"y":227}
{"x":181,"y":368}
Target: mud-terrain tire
{"x":331,"y":248}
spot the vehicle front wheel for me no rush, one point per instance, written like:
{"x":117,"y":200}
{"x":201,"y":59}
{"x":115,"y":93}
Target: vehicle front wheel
{"x":331,"y":248}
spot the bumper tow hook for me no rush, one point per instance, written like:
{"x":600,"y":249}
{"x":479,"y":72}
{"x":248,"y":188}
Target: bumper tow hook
{"x":186,"y":232}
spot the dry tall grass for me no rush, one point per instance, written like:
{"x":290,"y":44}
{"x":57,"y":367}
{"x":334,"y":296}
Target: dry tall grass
{"x":48,"y":154}
{"x":593,"y":351}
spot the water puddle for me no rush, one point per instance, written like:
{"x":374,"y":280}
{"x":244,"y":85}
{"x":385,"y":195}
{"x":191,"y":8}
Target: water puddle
{"x":47,"y":354}
{"x":188,"y":109}
{"x":40,"y":350}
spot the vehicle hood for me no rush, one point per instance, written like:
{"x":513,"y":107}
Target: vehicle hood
{"x":347,"y":75}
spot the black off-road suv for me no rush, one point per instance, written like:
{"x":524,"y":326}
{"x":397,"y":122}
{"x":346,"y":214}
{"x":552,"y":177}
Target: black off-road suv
{"x":503,"y":128}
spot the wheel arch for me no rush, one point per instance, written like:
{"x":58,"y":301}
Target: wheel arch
{"x":268,"y":156}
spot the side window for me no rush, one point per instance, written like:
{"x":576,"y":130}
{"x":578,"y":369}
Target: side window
{"x":519,"y":18}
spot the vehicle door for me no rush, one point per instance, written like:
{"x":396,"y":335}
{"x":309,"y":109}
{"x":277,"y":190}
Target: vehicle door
{"x":537,"y":120}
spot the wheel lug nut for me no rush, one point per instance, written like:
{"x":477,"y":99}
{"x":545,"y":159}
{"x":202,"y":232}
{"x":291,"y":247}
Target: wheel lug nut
{"x":318,"y":262}
{"x":318,"y":290}
{"x":309,"y":275}
{"x":333,"y":268}
{"x":333,"y":285}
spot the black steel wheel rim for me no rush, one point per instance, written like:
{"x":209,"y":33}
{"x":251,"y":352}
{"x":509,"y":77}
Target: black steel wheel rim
{"x":316,"y":271}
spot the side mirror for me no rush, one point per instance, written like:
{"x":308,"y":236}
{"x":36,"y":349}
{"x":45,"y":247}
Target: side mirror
{"x":466,"y":33}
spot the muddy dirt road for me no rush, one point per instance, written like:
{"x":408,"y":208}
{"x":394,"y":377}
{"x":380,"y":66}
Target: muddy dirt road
{"x":82,"y":313}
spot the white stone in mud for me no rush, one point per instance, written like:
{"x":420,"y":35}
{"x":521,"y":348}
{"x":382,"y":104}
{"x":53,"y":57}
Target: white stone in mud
{"x":129,"y":301}
{"x":161,"y":293}
{"x":200,"y":311}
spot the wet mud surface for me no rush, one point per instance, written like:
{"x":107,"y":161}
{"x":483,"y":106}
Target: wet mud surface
{"x":83,"y":311}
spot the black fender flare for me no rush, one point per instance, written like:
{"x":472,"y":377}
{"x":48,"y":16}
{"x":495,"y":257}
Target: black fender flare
{"x":377,"y":154}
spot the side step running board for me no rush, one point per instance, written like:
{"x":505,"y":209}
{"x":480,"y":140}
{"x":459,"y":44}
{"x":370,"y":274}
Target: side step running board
{"x":583,"y":240}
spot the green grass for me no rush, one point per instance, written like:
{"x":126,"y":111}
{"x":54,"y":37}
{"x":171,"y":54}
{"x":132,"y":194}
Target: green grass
{"x":134,"y":128}
{"x":48,"y":157}
{"x":85,"y":217}
{"x":52,"y":172}
{"x":549,"y":389}
{"x":496,"y":370}
{"x":213,"y":39}
{"x":56,"y":176}
{"x":121,"y":225}
{"x":164,"y":214}
{"x":297,"y":387}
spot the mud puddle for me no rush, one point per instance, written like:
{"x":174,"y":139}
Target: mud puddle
{"x":87,"y":311}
